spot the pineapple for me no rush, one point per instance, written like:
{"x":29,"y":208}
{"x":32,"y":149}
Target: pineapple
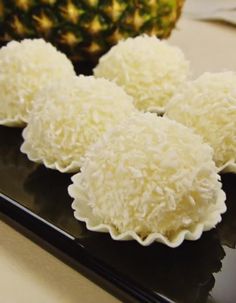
{"x":86,"y":29}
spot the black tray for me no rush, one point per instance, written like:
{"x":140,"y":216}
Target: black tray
{"x":196,"y":272}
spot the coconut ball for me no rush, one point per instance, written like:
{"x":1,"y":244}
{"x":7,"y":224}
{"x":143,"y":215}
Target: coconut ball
{"x":148,"y":69}
{"x":208,"y":105}
{"x":25,"y":68}
{"x":68,"y":117}
{"x":150,"y":178}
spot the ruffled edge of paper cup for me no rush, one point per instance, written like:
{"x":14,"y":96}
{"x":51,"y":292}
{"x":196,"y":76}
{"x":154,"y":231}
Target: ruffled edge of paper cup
{"x":83,"y":212}
{"x":17,"y":121}
{"x":73,"y":167}
{"x":229,"y":167}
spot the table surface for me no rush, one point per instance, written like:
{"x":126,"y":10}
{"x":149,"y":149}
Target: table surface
{"x":31,"y":274}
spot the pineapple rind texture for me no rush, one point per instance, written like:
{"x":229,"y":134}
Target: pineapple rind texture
{"x":86,"y":29}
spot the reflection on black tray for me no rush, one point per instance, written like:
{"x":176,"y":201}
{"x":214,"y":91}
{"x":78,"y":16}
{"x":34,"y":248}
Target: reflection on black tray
{"x":227,"y":228}
{"x":10,"y":155}
{"x":184,"y":274}
{"x":49,"y":191}
{"x":14,"y":166}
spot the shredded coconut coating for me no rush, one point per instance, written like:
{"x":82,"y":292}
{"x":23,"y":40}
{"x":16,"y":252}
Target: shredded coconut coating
{"x":208,"y":105}
{"x":149,"y":175}
{"x":67,"y":117}
{"x":148,"y":69}
{"x":25,"y":68}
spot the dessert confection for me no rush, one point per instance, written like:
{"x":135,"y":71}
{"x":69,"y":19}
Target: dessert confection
{"x":148,"y":69}
{"x":208,"y":105}
{"x":68,"y":116}
{"x":25,"y":68}
{"x":149,"y":179}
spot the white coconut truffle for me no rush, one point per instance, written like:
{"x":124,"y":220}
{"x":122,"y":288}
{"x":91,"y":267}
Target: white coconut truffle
{"x":208,"y":105}
{"x":67,"y":118}
{"x":25,"y":68}
{"x":148,"y":69}
{"x":149,"y":179}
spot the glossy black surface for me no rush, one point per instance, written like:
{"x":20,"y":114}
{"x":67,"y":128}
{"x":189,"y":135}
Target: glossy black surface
{"x":196,"y":272}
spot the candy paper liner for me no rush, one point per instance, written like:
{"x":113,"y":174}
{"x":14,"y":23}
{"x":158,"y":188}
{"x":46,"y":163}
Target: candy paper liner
{"x":73,"y":167}
{"x":17,"y":121}
{"x":83,"y":212}
{"x":229,"y":167}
